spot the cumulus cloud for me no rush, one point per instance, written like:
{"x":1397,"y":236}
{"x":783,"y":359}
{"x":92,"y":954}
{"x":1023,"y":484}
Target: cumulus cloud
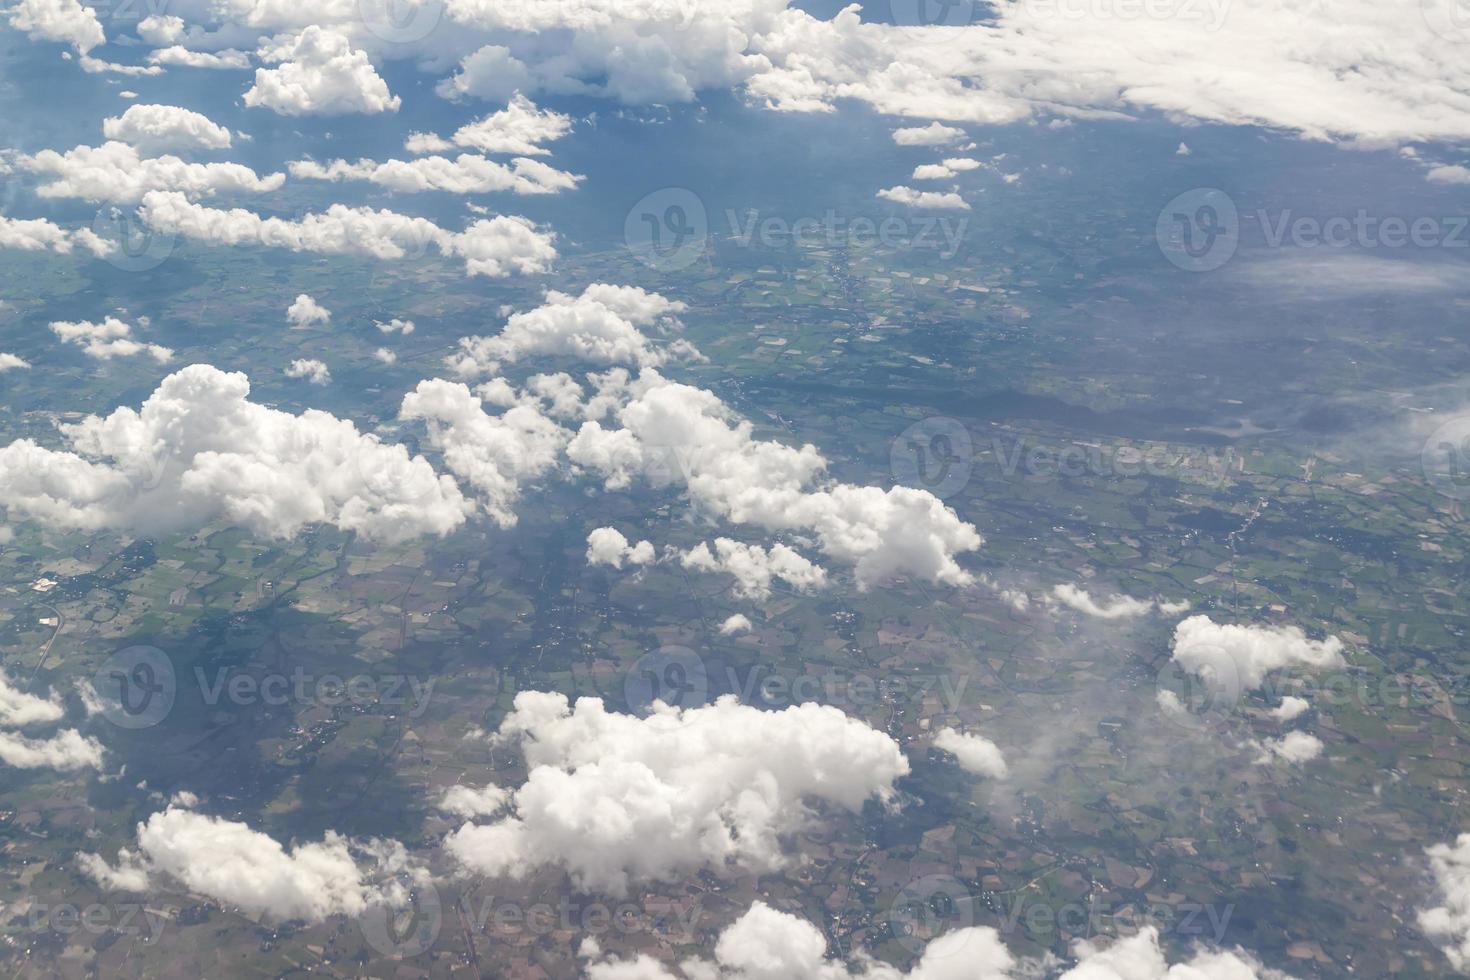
{"x":608,"y":546}
{"x":1118,"y":607}
{"x":932,"y":200}
{"x":64,"y":21}
{"x":199,"y":451}
{"x":738,"y":623}
{"x":228,"y":59}
{"x":717,"y":786}
{"x":755,"y":567}
{"x":385,"y":355}
{"x":466,"y":801}
{"x":117,"y":173}
{"x":601,"y":325}
{"x":495,"y":454}
{"x":403,"y":327}
{"x":11,"y":362}
{"x":976,"y":754}
{"x":66,"y":750}
{"x":1139,"y":957}
{"x":305,"y":311}
{"x":319,"y":73}
{"x":1290,"y":709}
{"x":520,"y":129}
{"x":934,"y":134}
{"x":675,"y":434}
{"x":108,"y":339}
{"x":158,"y":29}
{"x":19,"y":709}
{"x":1293,"y":747}
{"x":157,"y":128}
{"x":946,"y":170}
{"x":1240,"y":657}
{"x":249,"y":870}
{"x":765,"y":944}
{"x":1448,"y":923}
{"x":465,"y":174}
{"x":40,"y":235}
{"x":1450,"y":174}
{"x":310,"y":369}
{"x":496,"y":247}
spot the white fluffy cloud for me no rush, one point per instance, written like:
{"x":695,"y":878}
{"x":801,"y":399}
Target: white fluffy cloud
{"x":305,"y":311}
{"x":934,"y":134}
{"x":495,"y":247}
{"x":1240,"y":657}
{"x":108,"y":339}
{"x":675,"y":434}
{"x":10,"y":362}
{"x":66,"y":750}
{"x":247,"y":869}
{"x":176,"y":54}
{"x":200,"y":451}
{"x":1293,"y":747}
{"x":466,"y":801}
{"x":601,"y":325}
{"x":946,"y":170}
{"x":1118,"y":607}
{"x":737,"y":623}
{"x":309,"y":369}
{"x":64,"y":21}
{"x":715,"y":786}
{"x":932,"y":200}
{"x":1139,"y":957}
{"x":976,"y":753}
{"x":495,"y":454}
{"x":1448,"y":923}
{"x":40,"y":235}
{"x":1290,"y":708}
{"x":608,"y":546}
{"x":403,"y":327}
{"x":157,"y":128}
{"x":18,"y":709}
{"x":520,"y":129}
{"x":117,"y":173}
{"x":765,"y":944}
{"x":318,"y":73}
{"x":755,"y":567}
{"x":465,"y":174}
